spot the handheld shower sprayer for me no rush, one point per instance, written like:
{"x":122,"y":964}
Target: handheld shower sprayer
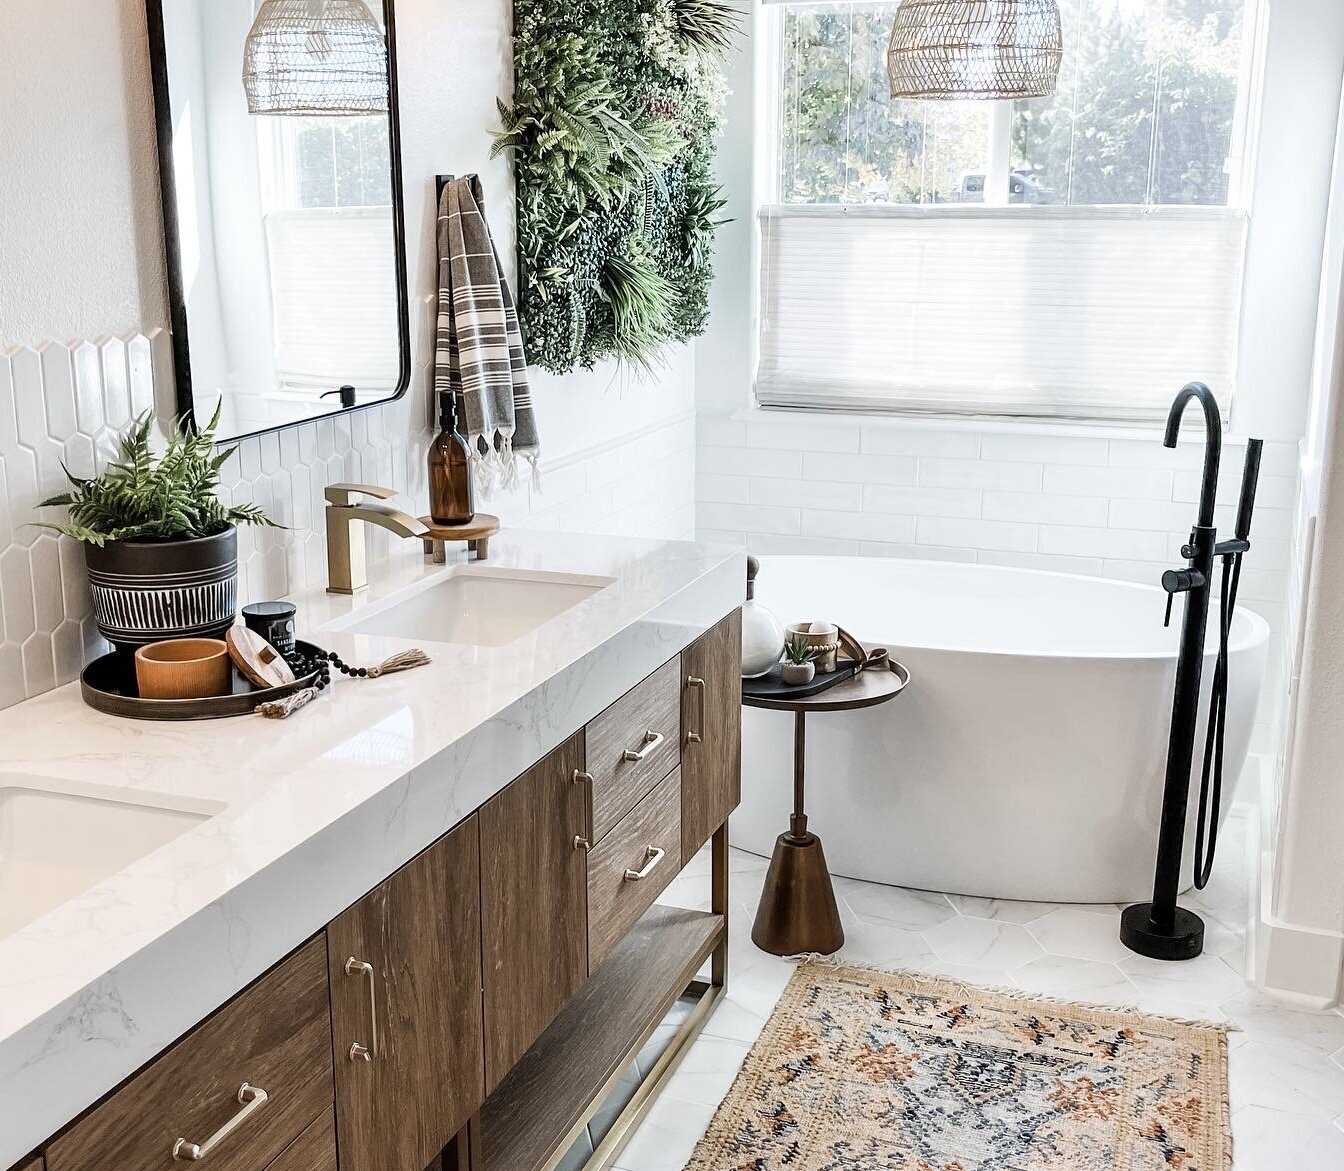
{"x":1160,"y":928}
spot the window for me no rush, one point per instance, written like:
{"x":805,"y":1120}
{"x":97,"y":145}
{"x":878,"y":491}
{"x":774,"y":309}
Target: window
{"x":1074,"y":256}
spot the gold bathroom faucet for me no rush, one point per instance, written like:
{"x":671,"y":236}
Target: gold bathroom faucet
{"x":347,"y":568}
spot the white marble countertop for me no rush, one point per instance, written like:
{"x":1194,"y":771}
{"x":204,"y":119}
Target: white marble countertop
{"x":314,"y":811}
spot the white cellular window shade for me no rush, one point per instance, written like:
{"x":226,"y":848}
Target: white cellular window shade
{"x":1054,"y":311}
{"x":333,"y":287}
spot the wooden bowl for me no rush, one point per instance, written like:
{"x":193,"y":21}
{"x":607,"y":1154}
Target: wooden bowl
{"x":183,"y":668}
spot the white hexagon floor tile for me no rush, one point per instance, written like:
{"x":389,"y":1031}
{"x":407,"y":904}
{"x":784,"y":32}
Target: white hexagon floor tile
{"x":1067,"y":978}
{"x":983,"y":943}
{"x":1079,"y":934}
{"x":910,"y":910}
{"x":1001,"y":910}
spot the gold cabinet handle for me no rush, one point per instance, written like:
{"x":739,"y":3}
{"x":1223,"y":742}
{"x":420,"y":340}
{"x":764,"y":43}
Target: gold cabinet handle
{"x":358,"y":1052}
{"x":582,"y":843}
{"x":251,"y":1098}
{"x":580,"y":776}
{"x":651,"y":741}
{"x":698,"y":685}
{"x":653,"y":855}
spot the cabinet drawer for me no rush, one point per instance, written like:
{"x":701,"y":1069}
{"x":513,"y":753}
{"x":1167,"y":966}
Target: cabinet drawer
{"x":647,"y":843}
{"x":633,"y":745}
{"x":313,"y":1150}
{"x":274,"y":1037}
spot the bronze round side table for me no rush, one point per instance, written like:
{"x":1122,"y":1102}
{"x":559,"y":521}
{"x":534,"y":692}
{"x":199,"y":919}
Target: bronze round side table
{"x":798,"y":912}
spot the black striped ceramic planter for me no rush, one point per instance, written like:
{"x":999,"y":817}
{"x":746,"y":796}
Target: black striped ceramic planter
{"x":146,"y":591}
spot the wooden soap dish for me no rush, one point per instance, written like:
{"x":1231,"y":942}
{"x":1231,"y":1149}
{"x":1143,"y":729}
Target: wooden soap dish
{"x":257,"y":659}
{"x":476,"y":533}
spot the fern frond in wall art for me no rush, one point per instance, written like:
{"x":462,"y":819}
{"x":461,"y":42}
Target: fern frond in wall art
{"x":617,"y":106}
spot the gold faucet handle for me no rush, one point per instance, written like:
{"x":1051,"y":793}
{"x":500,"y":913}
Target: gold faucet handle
{"x":343,"y":495}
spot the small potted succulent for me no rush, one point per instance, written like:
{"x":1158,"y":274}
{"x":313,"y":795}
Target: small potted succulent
{"x":798,"y":665}
{"x":160,"y":547}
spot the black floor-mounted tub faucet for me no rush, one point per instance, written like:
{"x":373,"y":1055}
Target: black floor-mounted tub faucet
{"x":1162,"y":929}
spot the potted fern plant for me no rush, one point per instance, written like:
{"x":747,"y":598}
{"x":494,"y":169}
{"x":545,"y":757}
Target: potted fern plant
{"x":161,"y":548}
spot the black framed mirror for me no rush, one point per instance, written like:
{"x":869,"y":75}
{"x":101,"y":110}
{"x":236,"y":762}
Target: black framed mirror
{"x":280,"y":174}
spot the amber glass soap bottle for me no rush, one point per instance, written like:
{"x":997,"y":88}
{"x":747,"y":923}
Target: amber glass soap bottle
{"x":450,"y":500}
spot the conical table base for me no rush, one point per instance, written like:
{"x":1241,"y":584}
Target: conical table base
{"x":798,"y":912}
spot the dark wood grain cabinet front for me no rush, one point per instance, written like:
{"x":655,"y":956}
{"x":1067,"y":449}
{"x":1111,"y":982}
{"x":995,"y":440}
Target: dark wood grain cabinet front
{"x":711,"y":750}
{"x":313,"y":1150}
{"x":631,"y":866}
{"x":237,"y":1089}
{"x":533,"y":904}
{"x":405,"y":964}
{"x":632,"y":746}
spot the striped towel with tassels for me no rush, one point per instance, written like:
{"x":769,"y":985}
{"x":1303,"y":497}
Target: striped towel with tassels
{"x":478,"y":351}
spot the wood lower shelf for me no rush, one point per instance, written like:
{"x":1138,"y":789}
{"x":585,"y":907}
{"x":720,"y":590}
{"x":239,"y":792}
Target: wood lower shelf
{"x":530,"y":1119}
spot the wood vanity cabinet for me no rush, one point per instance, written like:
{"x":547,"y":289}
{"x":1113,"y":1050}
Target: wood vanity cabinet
{"x":533,"y":904}
{"x":469,"y":1013}
{"x":405,"y":969}
{"x":711,"y":732}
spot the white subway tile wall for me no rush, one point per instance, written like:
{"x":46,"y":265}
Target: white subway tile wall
{"x":66,"y":404}
{"x":1117,"y":508}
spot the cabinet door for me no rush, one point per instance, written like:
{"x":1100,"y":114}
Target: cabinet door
{"x":533,"y":905}
{"x":406,"y":1009}
{"x":35,"y":1165}
{"x":711,"y":723}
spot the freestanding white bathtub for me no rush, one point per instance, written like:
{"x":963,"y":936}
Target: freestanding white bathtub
{"x":1026,"y":758}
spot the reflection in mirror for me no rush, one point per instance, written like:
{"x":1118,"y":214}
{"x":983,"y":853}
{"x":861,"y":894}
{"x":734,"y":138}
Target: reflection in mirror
{"x":284,"y":225}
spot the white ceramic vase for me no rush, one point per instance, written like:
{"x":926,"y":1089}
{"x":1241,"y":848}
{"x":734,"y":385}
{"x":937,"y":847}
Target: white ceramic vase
{"x":762,"y":632}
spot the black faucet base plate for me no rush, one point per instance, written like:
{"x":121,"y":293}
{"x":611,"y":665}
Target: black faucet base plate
{"x":1183,"y":942}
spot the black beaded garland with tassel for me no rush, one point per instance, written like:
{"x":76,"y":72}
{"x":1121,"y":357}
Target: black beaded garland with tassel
{"x":319,"y":662}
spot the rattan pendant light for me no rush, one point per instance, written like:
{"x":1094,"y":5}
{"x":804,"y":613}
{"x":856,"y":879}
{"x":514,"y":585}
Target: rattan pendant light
{"x":994,"y":49}
{"x":315,"y":57}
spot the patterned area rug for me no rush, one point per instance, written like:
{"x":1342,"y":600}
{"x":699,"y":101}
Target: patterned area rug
{"x":860,"y":1070}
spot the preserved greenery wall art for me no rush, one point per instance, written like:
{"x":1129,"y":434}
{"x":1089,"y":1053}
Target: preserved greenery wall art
{"x":617,"y":107}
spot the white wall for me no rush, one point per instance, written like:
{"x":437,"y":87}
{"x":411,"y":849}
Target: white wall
{"x":82,"y":261}
{"x":78,"y":177}
{"x":1301,"y":944}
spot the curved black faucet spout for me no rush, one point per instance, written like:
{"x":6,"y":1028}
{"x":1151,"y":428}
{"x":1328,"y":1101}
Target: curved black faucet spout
{"x":1213,"y":442}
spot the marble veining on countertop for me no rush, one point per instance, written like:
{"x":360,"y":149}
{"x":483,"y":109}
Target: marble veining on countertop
{"x":314,"y":810}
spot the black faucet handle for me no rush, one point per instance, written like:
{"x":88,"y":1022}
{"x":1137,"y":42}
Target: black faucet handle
{"x":1180,"y":581}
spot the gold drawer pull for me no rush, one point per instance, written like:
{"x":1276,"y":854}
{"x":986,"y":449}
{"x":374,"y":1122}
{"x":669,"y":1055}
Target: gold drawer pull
{"x":653,"y":855}
{"x":358,"y":1052}
{"x":251,"y":1098}
{"x":651,"y":741}
{"x":698,"y":685}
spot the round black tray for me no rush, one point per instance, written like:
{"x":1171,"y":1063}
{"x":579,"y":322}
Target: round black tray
{"x":108,"y":685}
{"x":771,"y":685}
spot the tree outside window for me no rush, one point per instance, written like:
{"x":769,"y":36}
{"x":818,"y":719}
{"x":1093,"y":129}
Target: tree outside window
{"x":1145,"y":113}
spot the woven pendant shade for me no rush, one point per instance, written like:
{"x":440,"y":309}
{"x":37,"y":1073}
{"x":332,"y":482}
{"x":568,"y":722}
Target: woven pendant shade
{"x":994,"y":49}
{"x":315,"y":57}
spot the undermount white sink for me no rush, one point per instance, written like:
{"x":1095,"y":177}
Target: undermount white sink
{"x":476,"y":607}
{"x":55,"y":844}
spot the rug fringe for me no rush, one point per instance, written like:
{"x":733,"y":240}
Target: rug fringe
{"x":837,"y":962}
